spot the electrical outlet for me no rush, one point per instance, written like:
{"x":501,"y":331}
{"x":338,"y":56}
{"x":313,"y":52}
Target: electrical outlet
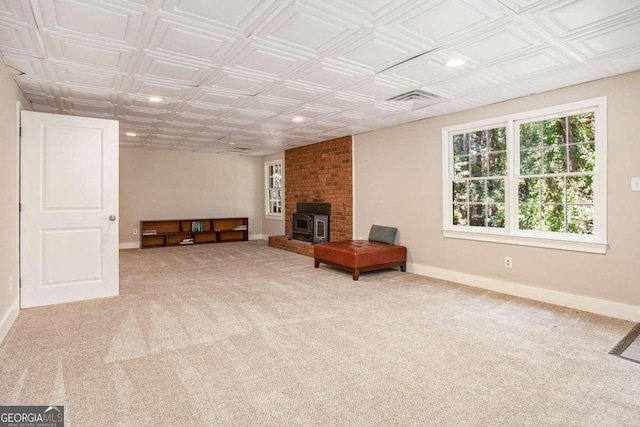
{"x":135,"y":231}
{"x":249,"y":228}
{"x":635,"y":184}
{"x":508,"y":262}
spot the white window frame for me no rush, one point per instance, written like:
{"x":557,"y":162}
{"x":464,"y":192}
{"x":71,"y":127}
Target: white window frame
{"x":594,"y":243}
{"x":267,"y":206}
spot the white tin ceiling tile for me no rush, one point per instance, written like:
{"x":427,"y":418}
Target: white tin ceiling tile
{"x":558,"y":78}
{"x":318,"y":75}
{"x":380,"y":11}
{"x":76,"y":75}
{"x":381,"y":109}
{"x":199,"y":119}
{"x":81,"y":107}
{"x":449,"y":19}
{"x":140,"y":121}
{"x":107,"y":22}
{"x":333,"y":100}
{"x":26,"y":65}
{"x":465,"y":83}
{"x":498,"y":44}
{"x":17,"y":38}
{"x":116,"y":58}
{"x":380,"y":88}
{"x":240,"y":82}
{"x":611,"y":40}
{"x":520,"y":6}
{"x":539,"y":62}
{"x":173,"y":69}
{"x":19,"y":11}
{"x":294,"y":94}
{"x":148,"y":88}
{"x":376,"y":52}
{"x":42,"y":100}
{"x":423,"y":70}
{"x":186,"y":41}
{"x":492,"y":96}
{"x":227,"y":130}
{"x":623,"y":63}
{"x":30,"y":85}
{"x":143,"y":112}
{"x":565,"y":19}
{"x":308,"y":27}
{"x":82,"y":93}
{"x":172,"y":125}
{"x":217,"y":98}
{"x":242,"y":16}
{"x":267,"y":57}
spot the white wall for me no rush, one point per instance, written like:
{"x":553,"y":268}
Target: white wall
{"x":273,"y":227}
{"x":398,"y":182}
{"x":157,"y":184}
{"x":9,"y":294}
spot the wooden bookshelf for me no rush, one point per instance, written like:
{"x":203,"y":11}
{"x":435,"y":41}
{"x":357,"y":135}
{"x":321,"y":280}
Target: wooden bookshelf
{"x":179,"y":232}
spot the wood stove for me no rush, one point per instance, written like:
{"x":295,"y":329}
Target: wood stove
{"x":311,"y":222}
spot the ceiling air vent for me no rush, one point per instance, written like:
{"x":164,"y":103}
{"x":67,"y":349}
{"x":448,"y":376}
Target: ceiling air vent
{"x":415,"y":95}
{"x":241,"y":150}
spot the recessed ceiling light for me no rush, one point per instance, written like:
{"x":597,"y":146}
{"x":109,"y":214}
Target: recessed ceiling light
{"x":131,"y":134}
{"x":297,"y":119}
{"x":155,"y":99}
{"x":232,"y":143}
{"x":455,"y":63}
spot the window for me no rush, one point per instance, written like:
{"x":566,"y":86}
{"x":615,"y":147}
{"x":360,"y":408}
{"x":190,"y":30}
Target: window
{"x":273,"y":188}
{"x":536,"y":178}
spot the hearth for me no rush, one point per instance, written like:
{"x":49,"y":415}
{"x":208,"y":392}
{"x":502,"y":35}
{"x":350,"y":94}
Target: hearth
{"x":311,"y":222}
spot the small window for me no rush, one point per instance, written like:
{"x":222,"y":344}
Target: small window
{"x":273,"y":189}
{"x":536,"y":178}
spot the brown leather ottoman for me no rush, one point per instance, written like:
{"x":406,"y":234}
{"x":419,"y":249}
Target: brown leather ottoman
{"x":360,"y":255}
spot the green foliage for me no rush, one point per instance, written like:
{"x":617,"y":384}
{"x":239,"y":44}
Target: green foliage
{"x":555,"y":191}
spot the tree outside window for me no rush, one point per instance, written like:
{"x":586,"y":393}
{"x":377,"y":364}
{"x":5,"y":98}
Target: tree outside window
{"x":273,"y":197}
{"x":535,"y":178}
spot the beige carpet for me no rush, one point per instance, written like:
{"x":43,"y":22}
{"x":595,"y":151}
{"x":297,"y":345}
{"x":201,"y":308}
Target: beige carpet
{"x":241,"y":334}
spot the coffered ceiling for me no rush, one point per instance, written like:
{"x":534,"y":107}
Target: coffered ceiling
{"x":233,"y":74}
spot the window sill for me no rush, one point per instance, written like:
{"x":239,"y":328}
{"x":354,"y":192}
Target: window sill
{"x":273,"y":216}
{"x":589,"y":246}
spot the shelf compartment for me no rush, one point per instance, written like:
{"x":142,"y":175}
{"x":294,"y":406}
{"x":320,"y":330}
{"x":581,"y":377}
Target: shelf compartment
{"x":228,"y":224}
{"x":175,"y":239}
{"x":150,"y":241}
{"x":162,"y":227}
{"x":205,"y":237}
{"x":187,"y":225}
{"x":232,"y":235}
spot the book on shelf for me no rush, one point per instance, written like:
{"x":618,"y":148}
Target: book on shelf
{"x":197,"y":226}
{"x":187,"y":241}
{"x":240,"y":227}
{"x":149,"y":232}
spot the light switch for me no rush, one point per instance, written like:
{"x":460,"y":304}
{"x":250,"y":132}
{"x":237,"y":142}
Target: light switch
{"x":635,"y":184}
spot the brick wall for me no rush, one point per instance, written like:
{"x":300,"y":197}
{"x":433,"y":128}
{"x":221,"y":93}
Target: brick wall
{"x":322,"y":172}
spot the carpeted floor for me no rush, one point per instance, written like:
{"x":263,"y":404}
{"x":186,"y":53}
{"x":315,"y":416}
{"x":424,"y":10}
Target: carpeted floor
{"x":241,"y":334}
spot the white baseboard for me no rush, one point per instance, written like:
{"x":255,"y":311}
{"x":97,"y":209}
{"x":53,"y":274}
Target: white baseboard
{"x":592,"y":305}
{"x":129,"y":245}
{"x":258,"y":237}
{"x":9,"y":318}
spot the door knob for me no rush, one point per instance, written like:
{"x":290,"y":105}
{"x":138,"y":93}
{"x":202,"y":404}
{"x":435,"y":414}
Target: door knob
{"x":112,"y":218}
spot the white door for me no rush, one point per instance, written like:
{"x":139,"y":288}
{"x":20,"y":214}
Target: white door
{"x":69,"y":207}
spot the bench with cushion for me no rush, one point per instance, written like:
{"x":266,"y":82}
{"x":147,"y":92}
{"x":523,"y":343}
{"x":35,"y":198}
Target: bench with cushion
{"x":363,"y":255}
